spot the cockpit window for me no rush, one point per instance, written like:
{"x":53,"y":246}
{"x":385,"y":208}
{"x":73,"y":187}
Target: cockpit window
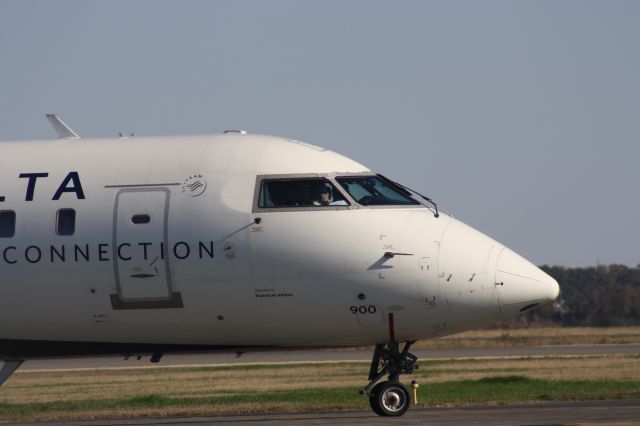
{"x":374,"y":191}
{"x":306,"y":192}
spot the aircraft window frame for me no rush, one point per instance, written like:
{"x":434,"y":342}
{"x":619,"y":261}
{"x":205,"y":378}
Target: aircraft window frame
{"x":7,"y":223}
{"x":341,"y":200}
{"x":412,"y":202}
{"x":65,"y":222}
{"x":331,"y":177}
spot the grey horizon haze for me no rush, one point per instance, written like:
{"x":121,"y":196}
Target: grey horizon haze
{"x":520,"y":118}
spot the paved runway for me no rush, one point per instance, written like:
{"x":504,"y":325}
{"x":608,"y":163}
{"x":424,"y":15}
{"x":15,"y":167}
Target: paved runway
{"x":576,"y":413}
{"x":323,"y":355}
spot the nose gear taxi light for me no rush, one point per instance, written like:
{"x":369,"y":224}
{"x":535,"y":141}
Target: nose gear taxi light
{"x":415,"y":386}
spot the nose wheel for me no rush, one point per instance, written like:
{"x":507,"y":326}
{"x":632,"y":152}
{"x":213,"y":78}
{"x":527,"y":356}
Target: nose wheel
{"x":390,"y":397}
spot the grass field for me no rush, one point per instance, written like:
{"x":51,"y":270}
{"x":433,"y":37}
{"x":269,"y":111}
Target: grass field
{"x":536,"y":336}
{"x":255,"y":389}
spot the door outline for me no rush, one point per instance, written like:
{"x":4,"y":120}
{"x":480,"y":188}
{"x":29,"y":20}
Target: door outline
{"x":118,"y":300}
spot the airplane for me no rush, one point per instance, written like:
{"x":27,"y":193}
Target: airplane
{"x":236,"y":242}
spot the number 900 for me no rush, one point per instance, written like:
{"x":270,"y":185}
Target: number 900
{"x":363,"y":309}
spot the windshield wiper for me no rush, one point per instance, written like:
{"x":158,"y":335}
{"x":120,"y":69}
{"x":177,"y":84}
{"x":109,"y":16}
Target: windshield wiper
{"x":408,"y":191}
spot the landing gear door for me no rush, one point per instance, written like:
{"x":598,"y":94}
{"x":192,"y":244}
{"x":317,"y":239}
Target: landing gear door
{"x":140,"y":240}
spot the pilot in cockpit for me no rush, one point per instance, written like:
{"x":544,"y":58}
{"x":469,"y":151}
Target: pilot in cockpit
{"x":325,"y":198}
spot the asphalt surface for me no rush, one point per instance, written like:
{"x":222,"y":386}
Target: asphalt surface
{"x":322,"y":356}
{"x":576,"y":413}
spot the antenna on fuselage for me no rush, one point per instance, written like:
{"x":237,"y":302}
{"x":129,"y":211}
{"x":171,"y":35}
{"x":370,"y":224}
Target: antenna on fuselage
{"x":62,"y":130}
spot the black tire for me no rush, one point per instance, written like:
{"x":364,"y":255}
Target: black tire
{"x":373,"y":399}
{"x":389,"y":399}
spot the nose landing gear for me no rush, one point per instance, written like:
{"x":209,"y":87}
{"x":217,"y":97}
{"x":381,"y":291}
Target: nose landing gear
{"x":390,"y":397}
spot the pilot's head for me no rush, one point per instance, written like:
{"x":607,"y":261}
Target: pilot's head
{"x":325,"y":195}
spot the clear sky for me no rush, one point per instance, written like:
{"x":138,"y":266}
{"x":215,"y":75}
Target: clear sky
{"x":520,"y":118}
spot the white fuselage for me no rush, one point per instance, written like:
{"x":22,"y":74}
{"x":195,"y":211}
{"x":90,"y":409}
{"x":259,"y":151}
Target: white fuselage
{"x":206,"y":265}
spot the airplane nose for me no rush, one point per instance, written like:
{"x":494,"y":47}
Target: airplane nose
{"x":521,"y":285}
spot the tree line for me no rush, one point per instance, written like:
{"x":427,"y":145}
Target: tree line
{"x":603,"y":296}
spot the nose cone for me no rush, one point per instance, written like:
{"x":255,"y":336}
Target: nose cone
{"x":521,"y":285}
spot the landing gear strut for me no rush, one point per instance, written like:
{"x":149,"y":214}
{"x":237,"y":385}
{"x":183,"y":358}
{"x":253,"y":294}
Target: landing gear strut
{"x":390,"y":397}
{"x":10,"y":366}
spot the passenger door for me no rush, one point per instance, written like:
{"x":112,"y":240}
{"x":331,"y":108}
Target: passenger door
{"x":141,"y":263}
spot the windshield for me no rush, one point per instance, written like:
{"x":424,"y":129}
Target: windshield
{"x":305,"y":192}
{"x":374,"y":191}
